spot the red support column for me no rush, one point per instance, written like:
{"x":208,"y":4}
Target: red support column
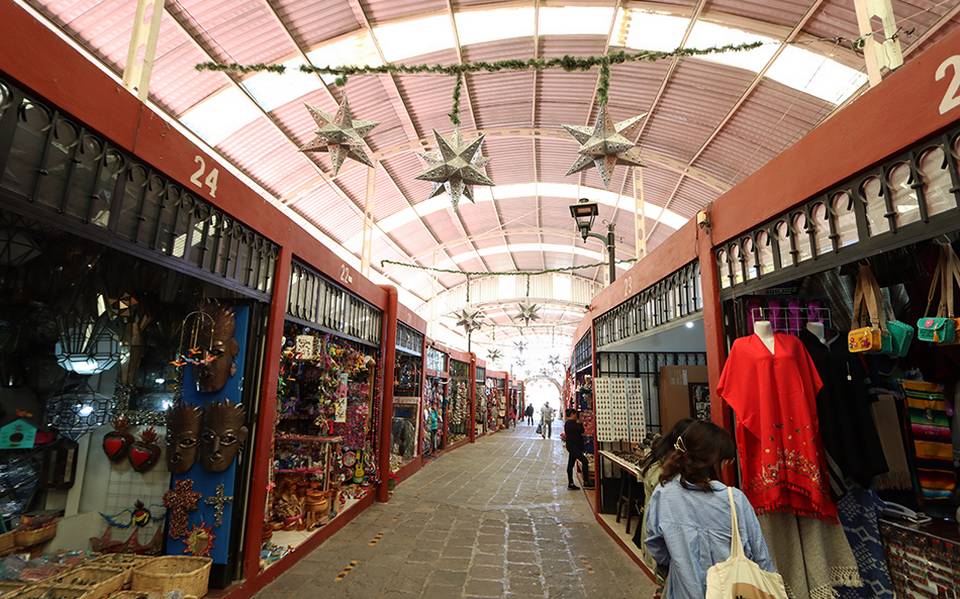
{"x":593,"y":408}
{"x":716,"y":345}
{"x":389,"y":361}
{"x":262,"y":450}
{"x":473,"y":397}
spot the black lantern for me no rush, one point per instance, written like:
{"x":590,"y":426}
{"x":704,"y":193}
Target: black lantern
{"x":584,"y":212}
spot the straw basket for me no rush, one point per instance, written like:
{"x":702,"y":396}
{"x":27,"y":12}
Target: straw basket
{"x":10,"y":588}
{"x":98,"y":583}
{"x":8,"y":543}
{"x":35,"y":536}
{"x":189,"y":575}
{"x":43,"y":591}
{"x":142,"y":595}
{"x":122,"y":562}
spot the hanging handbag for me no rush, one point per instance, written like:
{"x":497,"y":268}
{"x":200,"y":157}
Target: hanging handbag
{"x":942,"y":328}
{"x":869,"y":333}
{"x":900,"y":333}
{"x":738,"y":576}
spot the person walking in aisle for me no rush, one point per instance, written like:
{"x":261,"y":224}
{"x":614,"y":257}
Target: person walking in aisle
{"x":546,"y":420}
{"x":573,"y":439}
{"x":688,"y":518}
{"x":528,"y":412}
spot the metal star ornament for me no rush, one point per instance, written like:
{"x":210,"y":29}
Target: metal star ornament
{"x":529,"y":313}
{"x":520,"y":345}
{"x":340,"y":135}
{"x":494,"y":354}
{"x":606,"y":144}
{"x":455,"y":166}
{"x":554,"y":361}
{"x":469,"y":319}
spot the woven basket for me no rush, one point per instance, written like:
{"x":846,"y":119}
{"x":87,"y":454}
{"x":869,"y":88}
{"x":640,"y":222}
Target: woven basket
{"x":189,"y":575}
{"x":122,"y":562}
{"x":142,"y":595}
{"x":10,"y":588}
{"x":99,"y":583}
{"x":45,"y":591}
{"x":8,"y":543}
{"x":35,"y":536}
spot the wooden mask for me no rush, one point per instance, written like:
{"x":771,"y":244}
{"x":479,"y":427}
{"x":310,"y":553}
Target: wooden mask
{"x":213,"y":375}
{"x":183,"y":437}
{"x":223,"y":434}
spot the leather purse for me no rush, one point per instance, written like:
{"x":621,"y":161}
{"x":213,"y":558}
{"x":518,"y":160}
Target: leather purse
{"x":869,"y":334}
{"x":941,"y":329}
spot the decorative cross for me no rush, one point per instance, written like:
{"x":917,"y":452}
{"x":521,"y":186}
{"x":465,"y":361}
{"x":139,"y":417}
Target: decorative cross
{"x":180,"y":501}
{"x":219,"y":500}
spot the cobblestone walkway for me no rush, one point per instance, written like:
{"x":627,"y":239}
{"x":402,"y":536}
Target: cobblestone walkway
{"x":492,"y":519}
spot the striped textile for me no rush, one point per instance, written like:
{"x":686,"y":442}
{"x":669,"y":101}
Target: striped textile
{"x":930,"y":428}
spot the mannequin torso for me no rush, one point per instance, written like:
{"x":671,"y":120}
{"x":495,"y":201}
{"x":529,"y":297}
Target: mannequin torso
{"x":764,"y":330}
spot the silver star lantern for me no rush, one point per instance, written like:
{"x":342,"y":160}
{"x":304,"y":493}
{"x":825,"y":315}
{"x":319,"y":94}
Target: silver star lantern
{"x":455,"y":166}
{"x":340,"y":135}
{"x":469,"y":319}
{"x":520,"y":345}
{"x":606,"y":144}
{"x":529,"y":313}
{"x":554,"y":361}
{"x":494,"y":354}
{"x":520,"y":362}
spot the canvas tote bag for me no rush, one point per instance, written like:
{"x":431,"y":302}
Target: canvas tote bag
{"x":739,"y":578}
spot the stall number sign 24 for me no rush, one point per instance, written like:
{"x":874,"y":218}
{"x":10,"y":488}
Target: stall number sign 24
{"x":951,"y":99}
{"x":210,"y":180}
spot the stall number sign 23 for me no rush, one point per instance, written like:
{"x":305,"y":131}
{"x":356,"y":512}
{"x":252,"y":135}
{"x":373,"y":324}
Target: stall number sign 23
{"x":951,"y":99}
{"x":210,"y":181}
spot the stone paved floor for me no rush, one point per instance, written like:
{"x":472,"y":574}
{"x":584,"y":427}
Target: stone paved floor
{"x":492,"y":519}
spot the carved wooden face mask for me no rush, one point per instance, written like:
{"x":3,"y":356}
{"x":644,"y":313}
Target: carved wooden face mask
{"x":222,"y":436}
{"x":213,"y":376}
{"x":183,"y":437}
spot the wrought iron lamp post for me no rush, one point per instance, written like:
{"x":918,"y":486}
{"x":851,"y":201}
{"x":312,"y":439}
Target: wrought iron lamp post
{"x":584,"y":212}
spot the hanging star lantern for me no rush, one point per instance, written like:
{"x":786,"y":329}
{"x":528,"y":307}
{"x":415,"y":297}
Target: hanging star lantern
{"x":339,"y":135}
{"x":494,"y":354}
{"x":554,"y":360}
{"x":520,"y":345}
{"x":606,"y":144}
{"x":529,"y":313}
{"x":469,"y":319}
{"x":455,"y":166}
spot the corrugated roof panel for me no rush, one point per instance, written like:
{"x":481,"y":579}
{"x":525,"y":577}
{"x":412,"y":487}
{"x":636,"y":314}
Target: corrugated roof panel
{"x":369,"y":101}
{"x":691,"y":197}
{"x":698,"y":96}
{"x":314,"y":22}
{"x":778,"y":12}
{"x":102,"y":27}
{"x":405,"y":168}
{"x":176,"y":55}
{"x":509,"y":159}
{"x":378,"y":11}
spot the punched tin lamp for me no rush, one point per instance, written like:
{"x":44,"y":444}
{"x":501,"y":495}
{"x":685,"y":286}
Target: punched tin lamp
{"x":584,"y":212}
{"x":88,"y":348}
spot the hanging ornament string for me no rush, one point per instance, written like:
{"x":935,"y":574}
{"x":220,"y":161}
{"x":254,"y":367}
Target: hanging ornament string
{"x":506,"y":273}
{"x":454,"y":113}
{"x":566,"y":63}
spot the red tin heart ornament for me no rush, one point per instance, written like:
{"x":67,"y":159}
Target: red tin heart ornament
{"x":145,"y":452}
{"x":117,"y":442}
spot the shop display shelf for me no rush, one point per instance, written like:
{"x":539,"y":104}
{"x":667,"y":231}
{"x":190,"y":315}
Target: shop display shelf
{"x":311,"y":470}
{"x":288,"y":438}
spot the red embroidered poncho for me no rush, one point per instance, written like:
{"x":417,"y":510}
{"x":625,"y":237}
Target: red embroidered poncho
{"x":778,"y":439}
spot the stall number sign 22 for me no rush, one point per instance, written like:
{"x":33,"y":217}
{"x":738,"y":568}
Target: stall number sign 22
{"x":951,"y":99}
{"x":210,"y":180}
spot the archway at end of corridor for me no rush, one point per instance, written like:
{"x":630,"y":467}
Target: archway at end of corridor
{"x":540,"y":389}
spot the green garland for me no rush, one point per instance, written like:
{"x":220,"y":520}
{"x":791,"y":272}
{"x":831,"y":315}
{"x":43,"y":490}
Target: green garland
{"x":505,"y":273}
{"x":567,"y":63}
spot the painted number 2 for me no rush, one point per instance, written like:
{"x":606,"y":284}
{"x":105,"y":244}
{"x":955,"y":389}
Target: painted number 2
{"x":210,"y":180}
{"x":951,"y":99}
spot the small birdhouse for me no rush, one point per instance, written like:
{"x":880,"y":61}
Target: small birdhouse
{"x":18,"y":434}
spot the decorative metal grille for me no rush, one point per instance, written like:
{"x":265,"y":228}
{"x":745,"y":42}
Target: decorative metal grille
{"x":436,"y":360}
{"x":55,"y":170}
{"x":646,"y":367}
{"x":672,"y":298}
{"x":911,"y":196}
{"x":583,"y":353}
{"x":409,"y":340}
{"x":318,"y":302}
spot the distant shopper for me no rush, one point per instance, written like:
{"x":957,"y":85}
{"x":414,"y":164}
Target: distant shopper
{"x":528,"y":412}
{"x":573,"y":439}
{"x":546,"y":421}
{"x":688,"y":520}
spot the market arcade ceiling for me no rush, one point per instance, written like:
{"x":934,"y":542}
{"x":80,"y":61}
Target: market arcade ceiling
{"x":711,"y":121}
